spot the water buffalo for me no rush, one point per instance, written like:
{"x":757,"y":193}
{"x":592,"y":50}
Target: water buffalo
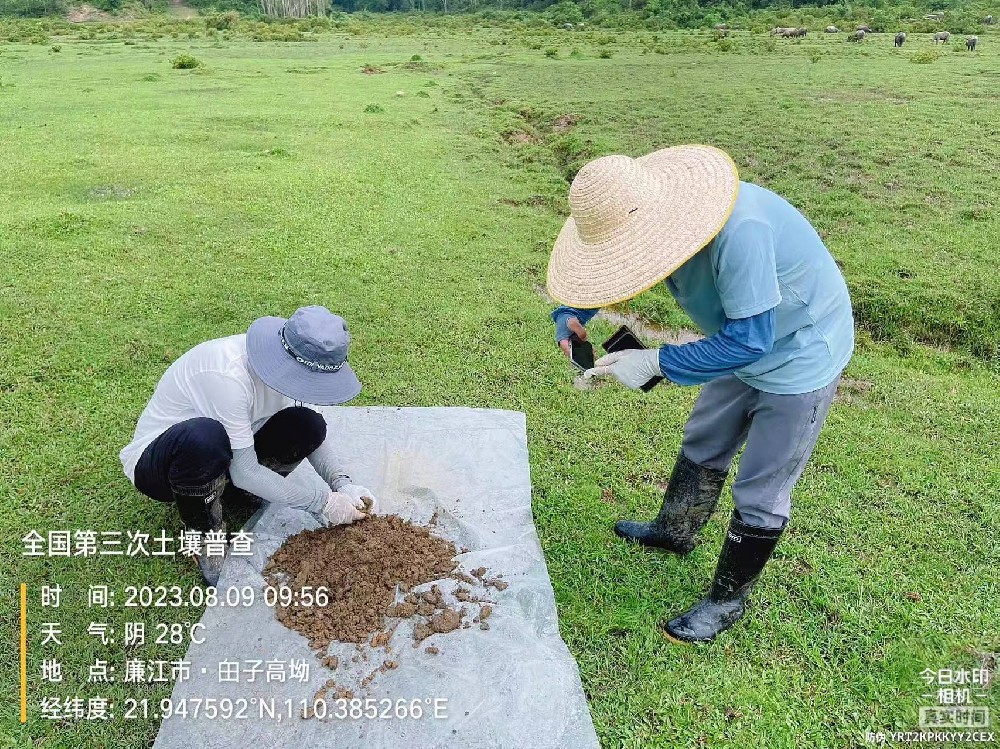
{"x":942,"y":36}
{"x":900,"y":38}
{"x":800,"y":32}
{"x":783,"y":31}
{"x":988,"y":20}
{"x":857,"y":36}
{"x":865,"y":28}
{"x":832,"y":30}
{"x":971,"y":42}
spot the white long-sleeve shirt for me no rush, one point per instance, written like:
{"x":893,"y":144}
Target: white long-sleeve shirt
{"x":214,"y":380}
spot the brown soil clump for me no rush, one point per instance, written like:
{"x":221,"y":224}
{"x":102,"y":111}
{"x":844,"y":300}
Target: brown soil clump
{"x":421,"y":631}
{"x":484,"y":613}
{"x":446,"y":620}
{"x":361,"y":565}
{"x":381,"y":639}
{"x":431,"y":650}
{"x":403,"y":610}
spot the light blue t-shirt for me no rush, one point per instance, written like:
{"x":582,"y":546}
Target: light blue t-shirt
{"x":768,"y":255}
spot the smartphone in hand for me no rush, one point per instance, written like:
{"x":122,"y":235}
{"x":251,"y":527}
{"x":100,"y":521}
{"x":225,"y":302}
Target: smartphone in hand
{"x":581,"y":353}
{"x":624,"y":340}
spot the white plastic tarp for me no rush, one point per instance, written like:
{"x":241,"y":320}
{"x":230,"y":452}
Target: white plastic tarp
{"x":515,"y":685}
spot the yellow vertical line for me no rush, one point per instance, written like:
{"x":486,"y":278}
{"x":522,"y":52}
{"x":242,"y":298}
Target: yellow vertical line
{"x":24,"y":653}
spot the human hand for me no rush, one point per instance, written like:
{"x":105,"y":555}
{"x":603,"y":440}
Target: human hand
{"x":575,"y":327}
{"x":633,"y":368}
{"x":359,"y":494}
{"x":340,"y":509}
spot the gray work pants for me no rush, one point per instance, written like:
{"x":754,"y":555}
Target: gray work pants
{"x":780,"y":433}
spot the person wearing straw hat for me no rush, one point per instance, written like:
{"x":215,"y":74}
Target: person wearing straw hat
{"x":756,"y":278}
{"x":229,"y":414}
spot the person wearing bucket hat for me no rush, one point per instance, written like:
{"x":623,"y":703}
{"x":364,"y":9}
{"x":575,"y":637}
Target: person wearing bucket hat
{"x":228,"y":420}
{"x":757,"y":280}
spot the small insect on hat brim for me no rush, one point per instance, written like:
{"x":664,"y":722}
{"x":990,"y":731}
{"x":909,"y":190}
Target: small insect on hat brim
{"x":633,"y":222}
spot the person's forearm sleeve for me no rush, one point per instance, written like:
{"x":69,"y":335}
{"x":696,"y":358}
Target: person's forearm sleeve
{"x":249,"y":475}
{"x":738,"y":344}
{"x":328,"y":465}
{"x":561,"y":316}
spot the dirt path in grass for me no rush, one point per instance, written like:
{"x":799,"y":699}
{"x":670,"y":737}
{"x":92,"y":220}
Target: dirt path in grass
{"x":179,"y":10}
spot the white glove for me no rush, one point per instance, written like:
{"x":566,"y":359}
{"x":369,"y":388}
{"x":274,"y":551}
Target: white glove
{"x":359,"y":493}
{"x":339,"y":509}
{"x":632,"y":368}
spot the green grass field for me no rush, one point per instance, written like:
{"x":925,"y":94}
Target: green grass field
{"x":144,"y":209}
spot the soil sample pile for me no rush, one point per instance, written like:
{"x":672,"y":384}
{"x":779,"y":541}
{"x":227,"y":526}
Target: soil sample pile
{"x":361,"y":564}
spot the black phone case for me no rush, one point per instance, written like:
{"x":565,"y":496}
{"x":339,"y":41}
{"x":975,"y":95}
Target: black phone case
{"x":586,"y":348}
{"x":624,"y":339}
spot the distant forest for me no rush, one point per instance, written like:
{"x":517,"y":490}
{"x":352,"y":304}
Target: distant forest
{"x":959,"y":16}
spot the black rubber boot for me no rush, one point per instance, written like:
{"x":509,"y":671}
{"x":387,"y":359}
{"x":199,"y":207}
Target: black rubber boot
{"x":201,"y":510}
{"x":688,"y":503}
{"x":744,"y":554}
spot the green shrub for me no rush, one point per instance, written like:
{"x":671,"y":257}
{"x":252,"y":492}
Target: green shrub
{"x":605,"y":54}
{"x":552,"y":52}
{"x":57,"y":48}
{"x":926,"y":56}
{"x":185,"y":62}
{"x":374,"y":109}
{"x":565,"y":12}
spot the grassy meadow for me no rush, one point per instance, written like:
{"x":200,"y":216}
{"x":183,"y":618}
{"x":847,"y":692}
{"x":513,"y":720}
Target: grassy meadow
{"x":412,"y":177}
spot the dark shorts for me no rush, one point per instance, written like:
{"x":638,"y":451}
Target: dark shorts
{"x":191,"y":456}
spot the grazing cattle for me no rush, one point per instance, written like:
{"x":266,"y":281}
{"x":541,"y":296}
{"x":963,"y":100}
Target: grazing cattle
{"x":857,"y":36}
{"x":971,"y":42}
{"x":988,"y":20}
{"x":865,"y":28}
{"x":800,"y":32}
{"x":832,"y":30}
{"x":782,"y":31}
{"x":942,"y":36}
{"x":900,"y":38}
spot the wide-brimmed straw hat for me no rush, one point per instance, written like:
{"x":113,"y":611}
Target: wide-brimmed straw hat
{"x":304,"y":357}
{"x":633,"y":222}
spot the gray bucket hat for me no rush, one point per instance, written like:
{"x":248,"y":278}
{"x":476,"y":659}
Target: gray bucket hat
{"x":305,"y":356}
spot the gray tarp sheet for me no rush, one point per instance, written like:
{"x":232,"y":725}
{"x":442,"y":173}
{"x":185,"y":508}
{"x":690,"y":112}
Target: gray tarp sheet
{"x":515,"y":685}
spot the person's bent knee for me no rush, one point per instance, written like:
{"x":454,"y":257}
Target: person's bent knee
{"x":298,"y":428}
{"x":311,"y":427}
{"x":203,"y":454}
